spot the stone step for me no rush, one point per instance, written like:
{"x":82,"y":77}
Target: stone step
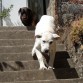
{"x":27,"y":56}
{"x":26,"y":75}
{"x":16,"y":56}
{"x":31,"y":41}
{"x":31,"y":65}
{"x":21,"y":43}
{"x":14,"y":28}
{"x":60,"y":47}
{"x":19,"y":65}
{"x":16,"y":34}
{"x":79,"y":80}
{"x":34,"y":75}
{"x":16,"y":42}
{"x":15,"y":49}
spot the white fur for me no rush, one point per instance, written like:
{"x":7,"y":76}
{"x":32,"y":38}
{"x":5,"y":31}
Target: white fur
{"x":46,"y":24}
{"x":45,"y":29}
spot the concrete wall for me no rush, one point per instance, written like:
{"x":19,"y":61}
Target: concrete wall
{"x":14,"y":18}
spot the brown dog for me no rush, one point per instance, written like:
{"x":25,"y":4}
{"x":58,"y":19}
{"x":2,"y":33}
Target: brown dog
{"x":27,"y":16}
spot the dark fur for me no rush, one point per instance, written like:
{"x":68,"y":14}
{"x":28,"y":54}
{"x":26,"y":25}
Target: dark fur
{"x":27,"y":16}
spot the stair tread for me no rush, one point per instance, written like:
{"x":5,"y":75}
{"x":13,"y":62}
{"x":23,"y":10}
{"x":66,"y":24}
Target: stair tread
{"x":16,"y":42}
{"x":18,"y":66}
{"x":16,"y":49}
{"x":16,"y":34}
{"x":60,"y":47}
{"x":31,"y":65}
{"x":33,"y":75}
{"x":15,"y":56}
{"x":14,"y":28}
{"x":78,"y":80}
{"x":26,"y":75}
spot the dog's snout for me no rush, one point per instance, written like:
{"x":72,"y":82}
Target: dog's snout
{"x":24,"y":17}
{"x":46,"y":51}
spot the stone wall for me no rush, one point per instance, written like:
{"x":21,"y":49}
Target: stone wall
{"x":52,"y":9}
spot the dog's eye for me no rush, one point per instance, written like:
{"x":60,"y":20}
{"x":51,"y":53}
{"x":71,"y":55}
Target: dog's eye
{"x":44,"y":41}
{"x":50,"y":42}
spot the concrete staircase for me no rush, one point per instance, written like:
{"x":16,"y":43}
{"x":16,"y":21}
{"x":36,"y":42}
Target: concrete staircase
{"x":18,"y":66}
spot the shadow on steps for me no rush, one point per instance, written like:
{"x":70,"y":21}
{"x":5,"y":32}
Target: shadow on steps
{"x":60,"y":60}
{"x":63,"y":70}
{"x":5,"y":65}
{"x":65,"y":73}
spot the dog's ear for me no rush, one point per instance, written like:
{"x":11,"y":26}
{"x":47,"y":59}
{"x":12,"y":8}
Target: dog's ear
{"x":55,"y":36}
{"x":38,"y":36}
{"x":19,"y":11}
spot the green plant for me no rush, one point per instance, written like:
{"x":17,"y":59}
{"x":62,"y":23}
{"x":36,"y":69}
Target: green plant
{"x":5,"y":12}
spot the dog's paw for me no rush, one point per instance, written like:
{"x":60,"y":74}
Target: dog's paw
{"x":43,"y":68}
{"x":49,"y":67}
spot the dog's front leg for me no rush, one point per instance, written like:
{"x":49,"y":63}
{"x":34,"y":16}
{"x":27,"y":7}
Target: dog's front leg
{"x":40,"y":59}
{"x":36,"y":45}
{"x":38,"y":54}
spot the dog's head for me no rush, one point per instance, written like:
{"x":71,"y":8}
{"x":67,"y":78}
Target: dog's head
{"x":26,"y":16}
{"x":46,"y":41}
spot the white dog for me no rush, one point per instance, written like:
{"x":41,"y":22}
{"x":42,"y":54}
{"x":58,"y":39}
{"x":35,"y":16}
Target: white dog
{"x":45,"y":34}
